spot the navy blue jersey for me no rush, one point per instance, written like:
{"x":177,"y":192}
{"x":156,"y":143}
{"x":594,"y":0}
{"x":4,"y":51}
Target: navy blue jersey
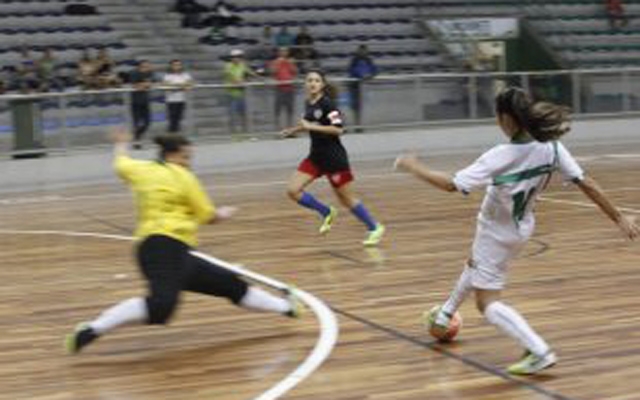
{"x":327,"y":151}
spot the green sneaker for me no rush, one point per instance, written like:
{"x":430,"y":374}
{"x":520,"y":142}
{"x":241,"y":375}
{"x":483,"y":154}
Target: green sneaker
{"x":297,"y":309}
{"x":531,"y":363}
{"x":81,"y":337}
{"x":375,"y":236}
{"x":328,"y":221}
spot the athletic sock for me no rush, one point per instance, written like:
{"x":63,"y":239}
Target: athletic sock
{"x":261,"y":300}
{"x":361,"y":212}
{"x":509,"y":321}
{"x":307,"y":200}
{"x":128,"y":312}
{"x":459,"y":293}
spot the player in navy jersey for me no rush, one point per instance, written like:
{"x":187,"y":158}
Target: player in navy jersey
{"x":327,"y":157}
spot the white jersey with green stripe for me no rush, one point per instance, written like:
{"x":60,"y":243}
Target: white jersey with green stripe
{"x":515,"y":174}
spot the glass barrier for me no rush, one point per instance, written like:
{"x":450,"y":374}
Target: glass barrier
{"x":260,"y":110}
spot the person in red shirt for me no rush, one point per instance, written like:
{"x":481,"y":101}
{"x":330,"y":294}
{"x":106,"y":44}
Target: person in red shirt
{"x":284,"y":71}
{"x":615,"y":11}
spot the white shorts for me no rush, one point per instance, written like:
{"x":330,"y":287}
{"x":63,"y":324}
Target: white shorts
{"x":493,"y":249}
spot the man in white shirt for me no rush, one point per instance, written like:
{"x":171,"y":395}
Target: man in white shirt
{"x":179,"y":81}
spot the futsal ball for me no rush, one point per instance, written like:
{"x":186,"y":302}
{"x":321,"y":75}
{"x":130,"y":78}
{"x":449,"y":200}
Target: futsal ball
{"x":454,"y":325}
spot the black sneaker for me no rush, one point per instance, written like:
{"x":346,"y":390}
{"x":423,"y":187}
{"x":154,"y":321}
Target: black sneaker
{"x":82,"y":336}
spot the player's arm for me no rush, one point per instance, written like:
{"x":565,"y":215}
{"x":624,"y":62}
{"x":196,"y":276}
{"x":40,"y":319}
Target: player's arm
{"x":123,"y":164}
{"x":592,"y":190}
{"x":202,"y":206}
{"x":411,"y":164}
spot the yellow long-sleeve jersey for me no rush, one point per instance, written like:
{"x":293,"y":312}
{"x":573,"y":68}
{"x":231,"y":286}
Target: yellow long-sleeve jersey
{"x":169,"y":198}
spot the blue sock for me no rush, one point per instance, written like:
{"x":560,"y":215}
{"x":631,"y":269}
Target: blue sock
{"x":363,"y":215}
{"x":307,"y":200}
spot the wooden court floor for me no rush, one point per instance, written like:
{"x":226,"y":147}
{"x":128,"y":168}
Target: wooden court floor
{"x":577,"y":283}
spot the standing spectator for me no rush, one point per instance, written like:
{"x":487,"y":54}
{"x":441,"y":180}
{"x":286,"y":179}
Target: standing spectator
{"x":236,"y":72}
{"x":46,"y":71}
{"x":361,"y":68}
{"x":141,"y":79}
{"x":284,"y":38}
{"x":284,"y":71}
{"x":176,"y":99}
{"x":615,"y":12}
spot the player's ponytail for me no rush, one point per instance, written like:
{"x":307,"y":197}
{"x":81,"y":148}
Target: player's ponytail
{"x":170,"y":144}
{"x":544,"y":121}
{"x":329,"y":88}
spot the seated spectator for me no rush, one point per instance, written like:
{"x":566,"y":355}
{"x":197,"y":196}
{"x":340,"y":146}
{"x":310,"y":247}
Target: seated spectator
{"x":615,"y":12}
{"x":221,"y":20}
{"x":26,"y":74}
{"x":105,"y":74}
{"x":87,"y":71}
{"x":47,"y":72}
{"x":263,"y":51}
{"x":191,"y":10}
{"x":305,"y":53}
{"x":284,"y":38}
{"x":303,"y":41}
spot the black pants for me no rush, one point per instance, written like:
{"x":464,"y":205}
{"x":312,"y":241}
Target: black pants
{"x":170,"y":268}
{"x":284,"y":100}
{"x":175,"y":112}
{"x":356,"y":100}
{"x":141,"y":115}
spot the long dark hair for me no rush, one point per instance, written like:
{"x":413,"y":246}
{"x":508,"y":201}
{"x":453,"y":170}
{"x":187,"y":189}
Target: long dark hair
{"x":170,"y":144}
{"x":544,"y":121}
{"x":329,"y":88}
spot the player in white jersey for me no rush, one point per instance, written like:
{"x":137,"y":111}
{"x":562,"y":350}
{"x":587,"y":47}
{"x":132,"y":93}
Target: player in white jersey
{"x":514,"y":175}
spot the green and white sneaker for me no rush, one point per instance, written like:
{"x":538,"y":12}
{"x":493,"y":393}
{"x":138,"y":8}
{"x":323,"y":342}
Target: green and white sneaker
{"x":297,"y":308}
{"x":530,"y":363}
{"x":327,"y":223}
{"x":375,"y":236}
{"x":81,"y":337}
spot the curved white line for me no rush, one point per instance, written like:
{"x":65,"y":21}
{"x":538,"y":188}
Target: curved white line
{"x":326,"y":318}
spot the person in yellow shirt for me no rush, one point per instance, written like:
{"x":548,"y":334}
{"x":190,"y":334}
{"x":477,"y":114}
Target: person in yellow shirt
{"x":171,"y":205}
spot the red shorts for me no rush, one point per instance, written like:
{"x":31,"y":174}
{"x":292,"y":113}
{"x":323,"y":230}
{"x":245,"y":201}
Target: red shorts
{"x":337,"y":179}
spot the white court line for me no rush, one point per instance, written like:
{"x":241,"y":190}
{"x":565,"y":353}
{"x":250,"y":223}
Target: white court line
{"x":584,"y":204}
{"x":326,"y":318}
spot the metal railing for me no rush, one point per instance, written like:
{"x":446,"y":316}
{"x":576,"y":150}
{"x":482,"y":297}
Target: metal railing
{"x":79,"y":119}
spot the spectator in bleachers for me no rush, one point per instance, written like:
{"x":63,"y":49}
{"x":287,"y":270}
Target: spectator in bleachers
{"x":284,"y":38}
{"x":87,"y":71}
{"x":47,"y":72}
{"x":305,"y":53}
{"x":361,"y":68}
{"x":284,"y":70}
{"x":26,"y":72}
{"x":236,"y":72}
{"x":142,"y":80}
{"x":191,"y":10}
{"x":221,"y":20}
{"x":303,"y":40}
{"x":615,"y":12}
{"x":264,"y":51}
{"x":105,"y":71}
{"x":180,"y":81}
